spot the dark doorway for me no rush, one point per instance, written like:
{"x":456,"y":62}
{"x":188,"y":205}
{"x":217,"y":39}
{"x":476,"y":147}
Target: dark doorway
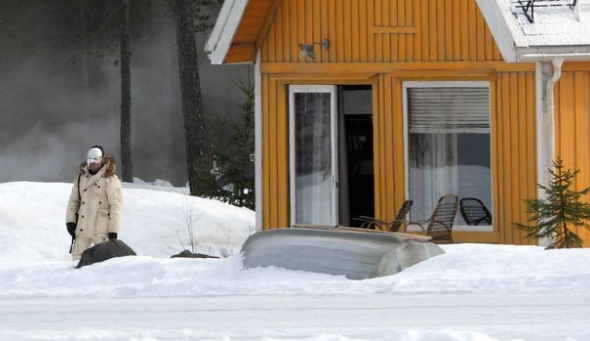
{"x":357,"y":189}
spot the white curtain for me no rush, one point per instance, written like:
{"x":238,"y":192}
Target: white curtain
{"x":448,"y":145}
{"x":433,"y":171}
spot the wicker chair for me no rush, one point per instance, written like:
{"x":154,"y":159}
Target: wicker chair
{"x":392,"y":226}
{"x":440,"y":224}
{"x":474,"y":212}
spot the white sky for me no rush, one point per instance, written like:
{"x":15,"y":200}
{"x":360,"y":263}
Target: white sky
{"x":474,"y":292}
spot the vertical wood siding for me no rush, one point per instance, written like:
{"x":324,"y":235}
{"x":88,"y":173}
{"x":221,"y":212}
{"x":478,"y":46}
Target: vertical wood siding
{"x":373,"y":31}
{"x":388,"y":147}
{"x":275,"y":154}
{"x":572,"y":118}
{"x":513,"y":155}
{"x":380,"y":31}
{"x":514,"y":152}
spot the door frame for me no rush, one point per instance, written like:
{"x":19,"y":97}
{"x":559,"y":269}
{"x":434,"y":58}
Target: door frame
{"x":323,"y":88}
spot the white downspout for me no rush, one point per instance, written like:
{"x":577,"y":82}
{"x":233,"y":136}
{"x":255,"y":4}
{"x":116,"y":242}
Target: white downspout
{"x":550,"y":116}
{"x":547,"y":75}
{"x":556,"y":63}
{"x":544,"y":148}
{"x":258,"y":142}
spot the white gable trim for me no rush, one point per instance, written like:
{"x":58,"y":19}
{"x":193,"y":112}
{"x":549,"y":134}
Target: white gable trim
{"x":225,"y":29}
{"x":503,"y":26}
{"x":219,"y":24}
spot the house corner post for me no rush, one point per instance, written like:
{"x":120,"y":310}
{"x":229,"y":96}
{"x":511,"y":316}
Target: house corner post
{"x":258,"y":143}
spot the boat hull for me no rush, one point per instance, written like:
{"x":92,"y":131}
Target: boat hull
{"x":353,"y":253}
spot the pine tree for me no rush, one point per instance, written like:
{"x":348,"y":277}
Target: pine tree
{"x":235,"y":169}
{"x":556,"y":216}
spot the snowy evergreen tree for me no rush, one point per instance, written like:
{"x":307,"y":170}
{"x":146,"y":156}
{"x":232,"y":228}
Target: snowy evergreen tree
{"x":557,"y":216}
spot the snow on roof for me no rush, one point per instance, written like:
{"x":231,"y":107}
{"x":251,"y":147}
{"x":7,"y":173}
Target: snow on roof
{"x":555,"y":22}
{"x":551,"y":29}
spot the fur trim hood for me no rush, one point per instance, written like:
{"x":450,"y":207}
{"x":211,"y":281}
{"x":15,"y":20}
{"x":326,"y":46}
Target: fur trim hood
{"x":109,"y":164}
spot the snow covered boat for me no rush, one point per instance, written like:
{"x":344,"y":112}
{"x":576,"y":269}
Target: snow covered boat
{"x":352,"y":252}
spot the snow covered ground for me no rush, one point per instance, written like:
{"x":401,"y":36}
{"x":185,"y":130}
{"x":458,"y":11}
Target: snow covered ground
{"x":474,"y":292}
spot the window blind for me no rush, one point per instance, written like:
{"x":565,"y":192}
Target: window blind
{"x":449,"y":110}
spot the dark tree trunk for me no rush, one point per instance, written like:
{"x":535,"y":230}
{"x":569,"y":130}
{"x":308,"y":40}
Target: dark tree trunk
{"x":126,"y":161}
{"x":84,"y":68}
{"x":198,"y":158}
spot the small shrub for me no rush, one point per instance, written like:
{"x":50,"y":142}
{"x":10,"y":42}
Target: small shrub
{"x":556,"y":216}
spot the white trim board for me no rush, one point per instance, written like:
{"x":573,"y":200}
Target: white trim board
{"x":258,"y":190}
{"x":332,"y":90}
{"x":225,"y":29}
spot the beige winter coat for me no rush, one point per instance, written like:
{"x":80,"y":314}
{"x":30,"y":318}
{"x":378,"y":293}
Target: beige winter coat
{"x":99,"y":202}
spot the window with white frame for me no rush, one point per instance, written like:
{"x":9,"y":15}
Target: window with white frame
{"x":448,"y":148}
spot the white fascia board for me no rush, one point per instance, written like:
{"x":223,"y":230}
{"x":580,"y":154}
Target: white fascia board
{"x":219,"y":24}
{"x":549,"y":53}
{"x":225,"y":29}
{"x":503,"y":26}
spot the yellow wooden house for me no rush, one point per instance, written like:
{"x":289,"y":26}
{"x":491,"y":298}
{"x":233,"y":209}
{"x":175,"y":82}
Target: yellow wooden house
{"x":362,"y":104}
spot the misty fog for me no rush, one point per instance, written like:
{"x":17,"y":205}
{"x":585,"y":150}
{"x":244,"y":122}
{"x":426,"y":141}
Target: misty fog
{"x":60,"y":89}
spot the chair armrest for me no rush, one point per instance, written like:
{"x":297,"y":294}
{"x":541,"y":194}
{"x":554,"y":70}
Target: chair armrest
{"x":365,"y":218}
{"x":408,"y":223}
{"x":372,"y":221}
{"x":367,"y":222}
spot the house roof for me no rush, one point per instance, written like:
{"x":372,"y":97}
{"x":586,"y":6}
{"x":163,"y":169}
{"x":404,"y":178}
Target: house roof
{"x":558,"y":30}
{"x":240,"y":30}
{"x":550,"y":29}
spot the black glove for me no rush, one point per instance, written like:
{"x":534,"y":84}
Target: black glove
{"x":112,"y":236}
{"x":71,"y":229}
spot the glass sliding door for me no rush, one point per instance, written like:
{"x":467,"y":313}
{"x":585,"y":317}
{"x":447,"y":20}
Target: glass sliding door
{"x":313,"y":155}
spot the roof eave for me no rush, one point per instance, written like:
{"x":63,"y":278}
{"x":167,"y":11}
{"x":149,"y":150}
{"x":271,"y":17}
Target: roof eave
{"x":225,"y":29}
{"x":577,"y":53}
